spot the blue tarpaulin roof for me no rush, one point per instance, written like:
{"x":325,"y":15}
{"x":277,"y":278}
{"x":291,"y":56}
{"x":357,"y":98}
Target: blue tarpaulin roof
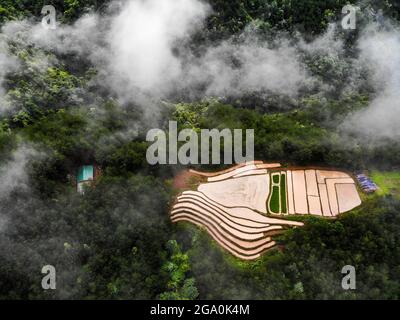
{"x":366,"y":183}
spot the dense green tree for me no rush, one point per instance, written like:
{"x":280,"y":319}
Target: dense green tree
{"x":180,"y":286}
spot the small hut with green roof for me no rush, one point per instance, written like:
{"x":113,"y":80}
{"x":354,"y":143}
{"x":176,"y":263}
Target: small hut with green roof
{"x":86,"y":175}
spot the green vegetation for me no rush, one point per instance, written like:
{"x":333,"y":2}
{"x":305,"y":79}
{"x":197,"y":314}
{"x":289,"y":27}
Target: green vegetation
{"x":298,"y":136}
{"x":310,"y":16}
{"x":283,"y":193}
{"x":388,"y":182}
{"x":274,"y":201}
{"x":71,"y":9}
{"x":180,"y":287}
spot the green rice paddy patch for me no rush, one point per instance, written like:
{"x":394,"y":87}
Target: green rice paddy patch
{"x":283,"y":193}
{"x":277,"y":202}
{"x":274,"y":204}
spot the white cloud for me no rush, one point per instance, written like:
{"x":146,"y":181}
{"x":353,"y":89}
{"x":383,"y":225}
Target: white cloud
{"x":142,"y":38}
{"x":234,"y":69}
{"x":380,"y":53}
{"x":14,"y":175}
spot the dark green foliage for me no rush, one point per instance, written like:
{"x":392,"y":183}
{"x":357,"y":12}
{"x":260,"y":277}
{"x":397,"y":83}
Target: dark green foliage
{"x":292,"y":137}
{"x":309,"y":16}
{"x":105,"y":245}
{"x":35,"y":89}
{"x":68,"y":10}
{"x":180,"y":287}
{"x":129,"y":157}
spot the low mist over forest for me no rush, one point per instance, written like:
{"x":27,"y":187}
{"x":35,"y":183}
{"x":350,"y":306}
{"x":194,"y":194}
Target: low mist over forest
{"x":89,"y":90}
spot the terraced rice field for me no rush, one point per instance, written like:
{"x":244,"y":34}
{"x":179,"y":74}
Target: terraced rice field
{"x":317,"y":192}
{"x":235,"y":205}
